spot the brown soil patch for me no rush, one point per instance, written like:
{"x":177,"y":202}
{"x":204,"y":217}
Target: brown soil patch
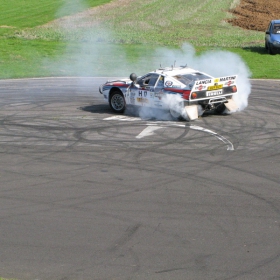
{"x":255,"y":14}
{"x":249,"y":14}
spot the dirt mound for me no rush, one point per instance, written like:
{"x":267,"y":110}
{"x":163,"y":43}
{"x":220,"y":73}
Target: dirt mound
{"x":255,"y":14}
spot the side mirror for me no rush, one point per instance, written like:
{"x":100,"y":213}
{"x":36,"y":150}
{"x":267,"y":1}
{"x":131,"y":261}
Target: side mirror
{"x":133,"y":77}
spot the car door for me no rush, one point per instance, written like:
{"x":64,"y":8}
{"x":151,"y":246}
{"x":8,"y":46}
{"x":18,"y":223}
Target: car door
{"x":146,"y":92}
{"x":267,"y":34}
{"x":159,"y":92}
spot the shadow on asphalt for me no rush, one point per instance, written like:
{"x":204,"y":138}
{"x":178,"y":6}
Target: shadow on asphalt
{"x":97,"y":108}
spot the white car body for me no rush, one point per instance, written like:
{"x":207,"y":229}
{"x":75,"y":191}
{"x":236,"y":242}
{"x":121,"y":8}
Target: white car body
{"x":183,"y":91}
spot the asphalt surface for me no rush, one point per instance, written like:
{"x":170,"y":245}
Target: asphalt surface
{"x":87,"y":194}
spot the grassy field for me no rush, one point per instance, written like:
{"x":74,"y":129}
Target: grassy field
{"x":31,"y":13}
{"x":36,"y":40}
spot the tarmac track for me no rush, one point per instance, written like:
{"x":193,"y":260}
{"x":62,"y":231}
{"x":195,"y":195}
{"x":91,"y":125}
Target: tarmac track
{"x":86,"y":194}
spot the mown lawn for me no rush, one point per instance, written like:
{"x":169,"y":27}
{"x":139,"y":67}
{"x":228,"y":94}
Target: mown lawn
{"x":31,"y":13}
{"x":37,"y":41}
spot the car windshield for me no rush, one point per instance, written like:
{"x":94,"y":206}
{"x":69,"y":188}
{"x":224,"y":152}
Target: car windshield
{"x":276,"y":28}
{"x":189,"y":78}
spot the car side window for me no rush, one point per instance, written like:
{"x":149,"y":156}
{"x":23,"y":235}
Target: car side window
{"x":276,"y":28}
{"x":148,"y":80}
{"x":269,"y":26}
{"x":160,"y":82}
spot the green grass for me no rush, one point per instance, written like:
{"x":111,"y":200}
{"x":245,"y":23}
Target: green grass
{"x":31,"y":13}
{"x":157,"y":22}
{"x":116,"y":41}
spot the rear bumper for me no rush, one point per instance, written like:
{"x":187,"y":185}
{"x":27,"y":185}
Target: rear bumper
{"x":208,"y":101}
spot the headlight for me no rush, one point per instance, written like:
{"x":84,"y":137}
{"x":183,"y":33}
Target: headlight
{"x":276,"y":43}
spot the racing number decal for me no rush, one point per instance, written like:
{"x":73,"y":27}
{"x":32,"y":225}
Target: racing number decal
{"x":143,"y":97}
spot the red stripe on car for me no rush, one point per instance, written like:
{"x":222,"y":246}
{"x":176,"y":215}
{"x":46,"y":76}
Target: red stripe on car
{"x":185,"y":93}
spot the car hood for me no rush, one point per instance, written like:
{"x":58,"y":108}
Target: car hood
{"x":275,"y":37}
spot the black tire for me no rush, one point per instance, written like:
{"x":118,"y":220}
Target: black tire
{"x":117,"y":101}
{"x":175,"y":115}
{"x":265,"y":46}
{"x":220,"y":109}
{"x":270,"y":51}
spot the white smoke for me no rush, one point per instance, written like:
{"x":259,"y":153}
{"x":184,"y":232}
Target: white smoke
{"x":152,"y":113}
{"x":84,"y":51}
{"x":225,"y":63}
{"x":85,"y":58}
{"x":217,"y":63}
{"x":170,"y":103}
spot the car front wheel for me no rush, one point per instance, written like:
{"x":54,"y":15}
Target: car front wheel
{"x":269,"y":48}
{"x":117,"y":102}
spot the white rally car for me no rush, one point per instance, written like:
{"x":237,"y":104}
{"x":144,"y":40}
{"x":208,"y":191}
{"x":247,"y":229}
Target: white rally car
{"x":185,"y":92}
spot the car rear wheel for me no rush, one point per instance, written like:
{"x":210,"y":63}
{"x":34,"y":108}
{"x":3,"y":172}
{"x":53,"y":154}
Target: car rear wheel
{"x":220,"y":108}
{"x":117,"y":102}
{"x":175,"y":114}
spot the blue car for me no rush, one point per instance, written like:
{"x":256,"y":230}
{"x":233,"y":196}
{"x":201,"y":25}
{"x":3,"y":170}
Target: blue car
{"x":272,"y":37}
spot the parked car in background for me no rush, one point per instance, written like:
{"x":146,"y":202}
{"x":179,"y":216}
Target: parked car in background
{"x":272,"y":37}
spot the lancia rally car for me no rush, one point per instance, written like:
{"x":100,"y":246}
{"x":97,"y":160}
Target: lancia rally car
{"x":185,"y":92}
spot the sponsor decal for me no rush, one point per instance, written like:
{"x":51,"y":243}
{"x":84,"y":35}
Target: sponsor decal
{"x":158,"y":104}
{"x":132,"y":100}
{"x":142,"y":100}
{"x":141,"y":93}
{"x":214,"y":93}
{"x":229,"y":83}
{"x":215,"y":87}
{"x":151,"y":95}
{"x":203,"y":82}
{"x":216,"y":80}
{"x":159,"y":95}
{"x":168,"y":83}
{"x":224,"y":79}
{"x":105,"y":96}
{"x":200,"y":87}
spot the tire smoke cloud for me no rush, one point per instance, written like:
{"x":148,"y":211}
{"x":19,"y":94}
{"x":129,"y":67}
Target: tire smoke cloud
{"x":217,"y":63}
{"x":85,"y":56}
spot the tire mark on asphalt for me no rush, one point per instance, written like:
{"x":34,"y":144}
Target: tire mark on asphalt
{"x":202,"y":161}
{"x":127,"y":236}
